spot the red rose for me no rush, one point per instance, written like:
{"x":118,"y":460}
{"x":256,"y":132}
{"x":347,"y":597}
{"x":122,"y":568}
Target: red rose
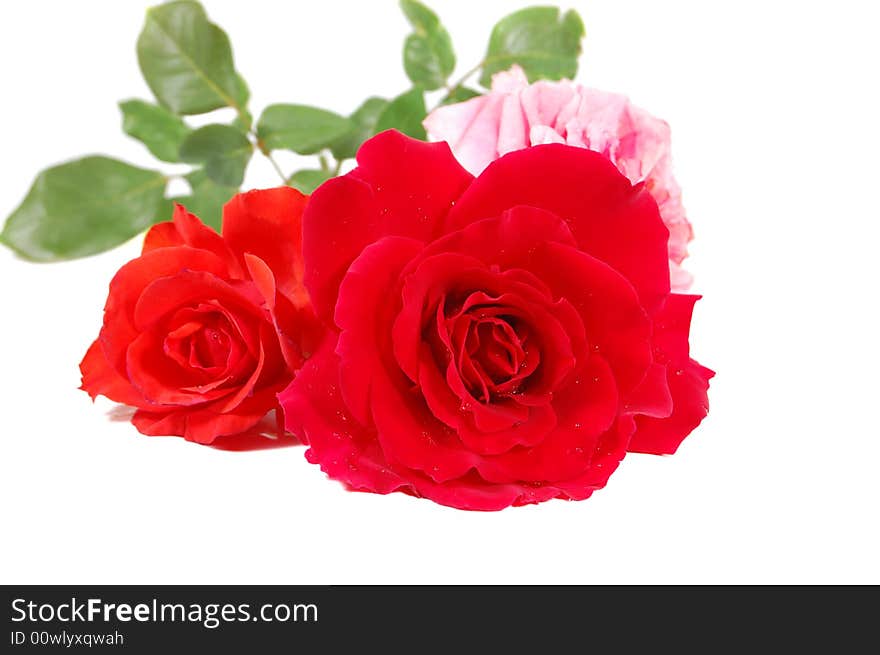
{"x":494,"y":341}
{"x":202,"y":330}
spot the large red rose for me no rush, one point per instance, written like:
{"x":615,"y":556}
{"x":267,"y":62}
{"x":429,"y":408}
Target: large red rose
{"x":202,"y":330}
{"x":493,"y":341}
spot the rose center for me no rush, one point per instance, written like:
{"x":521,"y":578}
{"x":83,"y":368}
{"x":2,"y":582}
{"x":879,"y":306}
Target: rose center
{"x":200,"y":342}
{"x":495,"y":357}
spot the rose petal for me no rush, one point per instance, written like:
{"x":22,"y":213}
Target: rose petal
{"x":263,"y":278}
{"x":129,"y":283}
{"x":609,"y":452}
{"x":615,"y":323}
{"x":585,"y":411}
{"x":506,"y":240}
{"x":688,"y":382}
{"x":163,"y":381}
{"x":162,"y":235}
{"x":267,"y":223}
{"x":362,"y":312}
{"x":100,"y":378}
{"x":401,"y":187}
{"x":314,"y":411}
{"x":615,"y":222}
{"x":166,"y":294}
{"x":470,"y":128}
{"x":205,"y":425}
{"x":652,"y":396}
{"x":370,"y":379}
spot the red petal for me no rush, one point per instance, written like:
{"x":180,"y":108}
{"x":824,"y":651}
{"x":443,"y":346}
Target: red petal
{"x":205,"y":425}
{"x":198,"y":235}
{"x":129,"y":283}
{"x":688,"y":382}
{"x":263,"y":278}
{"x":610,"y":450}
{"x":445,"y":405}
{"x":349,"y":452}
{"x":314,"y":411}
{"x":652,"y":397}
{"x":365,"y":313}
{"x":169,"y":293}
{"x":505,"y":239}
{"x":615,"y":323}
{"x":615,"y":222}
{"x":369,"y":374}
{"x":401,"y":187}
{"x":414,"y":183}
{"x":162,"y":235}
{"x":160,"y":379}
{"x":297,"y":328}
{"x":268,"y":224}
{"x":99,"y":378}
{"x":586,"y":412}
{"x":247,"y":389}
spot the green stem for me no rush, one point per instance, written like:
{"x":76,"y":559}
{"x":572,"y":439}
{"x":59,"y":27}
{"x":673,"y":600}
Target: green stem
{"x":464,"y":78}
{"x":268,"y":155}
{"x":275,"y":166}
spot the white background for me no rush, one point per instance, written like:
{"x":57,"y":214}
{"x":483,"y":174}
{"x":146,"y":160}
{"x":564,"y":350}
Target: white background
{"x":775,"y":113}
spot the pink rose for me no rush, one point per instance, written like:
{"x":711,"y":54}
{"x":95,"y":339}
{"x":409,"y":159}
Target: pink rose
{"x":516,"y":115}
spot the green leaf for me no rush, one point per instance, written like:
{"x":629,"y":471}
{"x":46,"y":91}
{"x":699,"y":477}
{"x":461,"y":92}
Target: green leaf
{"x":243,"y":92}
{"x":84,"y":207}
{"x":545,"y":42}
{"x":154,"y":126}
{"x":363,"y":122}
{"x":206,"y":199}
{"x":300,"y":128}
{"x":459,"y":94}
{"x":223,"y":150}
{"x":187,"y":60}
{"x":419,"y":16}
{"x":309,"y":179}
{"x":428,"y":58}
{"x":244,"y":120}
{"x":405,"y":113}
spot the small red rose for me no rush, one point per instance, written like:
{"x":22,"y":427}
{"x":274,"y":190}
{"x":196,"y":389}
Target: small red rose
{"x":494,"y":341}
{"x":201,"y":331}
